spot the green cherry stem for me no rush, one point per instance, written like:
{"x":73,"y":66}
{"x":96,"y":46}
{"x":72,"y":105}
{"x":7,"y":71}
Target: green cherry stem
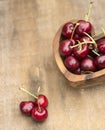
{"x":95,"y":53}
{"x":74,"y":30}
{"x":100,"y":33}
{"x":28,"y":93}
{"x":91,"y":39}
{"x":81,"y":44}
{"x":89,"y":11}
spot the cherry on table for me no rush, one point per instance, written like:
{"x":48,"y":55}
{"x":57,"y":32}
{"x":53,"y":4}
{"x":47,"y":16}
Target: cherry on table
{"x":42,"y":100}
{"x":26,"y":107}
{"x":39,"y":114}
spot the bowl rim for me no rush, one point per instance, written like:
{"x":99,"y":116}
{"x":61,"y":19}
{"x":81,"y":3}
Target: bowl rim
{"x":69,"y":75}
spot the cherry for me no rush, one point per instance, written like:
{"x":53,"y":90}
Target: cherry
{"x":76,"y":37}
{"x":85,"y":38}
{"x":84,"y":26}
{"x":39,"y":114}
{"x":101,"y":46}
{"x":64,"y":47}
{"x":88,"y":64}
{"x":80,"y":54}
{"x":26,"y":107}
{"x":71,"y":63}
{"x":42,"y":100}
{"x":67,"y":29}
{"x":78,"y":71}
{"x":100,"y":61}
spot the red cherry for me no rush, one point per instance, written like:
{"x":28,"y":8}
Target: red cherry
{"x":26,"y":107}
{"x":101,"y":45}
{"x":42,"y":100}
{"x":88,"y":64}
{"x":64,"y":47}
{"x":87,"y":39}
{"x":78,"y":71}
{"x":80,"y":54}
{"x":67,"y":29}
{"x":71,"y":63}
{"x":39,"y":114}
{"x":100,"y":61}
{"x":84,"y":26}
{"x":76,"y":37}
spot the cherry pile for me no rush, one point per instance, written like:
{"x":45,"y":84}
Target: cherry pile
{"x":37,"y":108}
{"x":80,"y":53}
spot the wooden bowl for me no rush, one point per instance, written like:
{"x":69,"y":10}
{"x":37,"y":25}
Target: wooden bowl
{"x":77,"y":81}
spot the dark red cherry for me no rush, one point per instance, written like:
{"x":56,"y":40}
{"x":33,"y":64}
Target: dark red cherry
{"x":100,"y":61}
{"x":39,"y":114}
{"x":71,"y":63}
{"x":64,"y":47}
{"x":80,"y":54}
{"x":76,"y":37}
{"x":26,"y":107}
{"x":85,"y":38}
{"x":84,"y":26}
{"x":101,"y":46}
{"x":78,"y":71}
{"x":42,"y":100}
{"x":88,"y":64}
{"x":67,"y":29}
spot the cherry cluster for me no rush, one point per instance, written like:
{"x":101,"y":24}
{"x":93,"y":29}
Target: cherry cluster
{"x":79,"y":51}
{"x":37,"y":108}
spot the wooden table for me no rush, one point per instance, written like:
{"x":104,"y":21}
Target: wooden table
{"x":27,"y":29}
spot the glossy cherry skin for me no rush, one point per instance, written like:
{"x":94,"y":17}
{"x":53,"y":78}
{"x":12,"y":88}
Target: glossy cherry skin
{"x":39,"y":114}
{"x":67,"y":29}
{"x":78,"y":71}
{"x":71,"y":63}
{"x":87,"y":39}
{"x":26,"y":107}
{"x":64,"y":47}
{"x":100,"y":61}
{"x":42,"y":100}
{"x":84,"y":26}
{"x":80,"y":54}
{"x":76,"y":37}
{"x":88,"y":64}
{"x":101,"y":46}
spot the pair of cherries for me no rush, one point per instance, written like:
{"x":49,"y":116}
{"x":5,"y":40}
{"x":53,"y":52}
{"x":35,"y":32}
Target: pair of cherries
{"x":37,"y":108}
{"x":78,"y":49}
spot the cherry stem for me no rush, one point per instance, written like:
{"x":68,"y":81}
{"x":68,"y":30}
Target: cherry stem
{"x":74,"y":30}
{"x":81,"y":44}
{"x":38,"y":90}
{"x":39,"y":108}
{"x":89,"y":11}
{"x":103,"y":32}
{"x":28,"y":93}
{"x":95,"y":53}
{"x":91,"y":39}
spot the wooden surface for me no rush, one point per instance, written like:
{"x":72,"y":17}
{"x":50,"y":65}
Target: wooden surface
{"x":27,"y":29}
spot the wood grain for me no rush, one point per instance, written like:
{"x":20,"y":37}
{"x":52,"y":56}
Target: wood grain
{"x":27,"y":29}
